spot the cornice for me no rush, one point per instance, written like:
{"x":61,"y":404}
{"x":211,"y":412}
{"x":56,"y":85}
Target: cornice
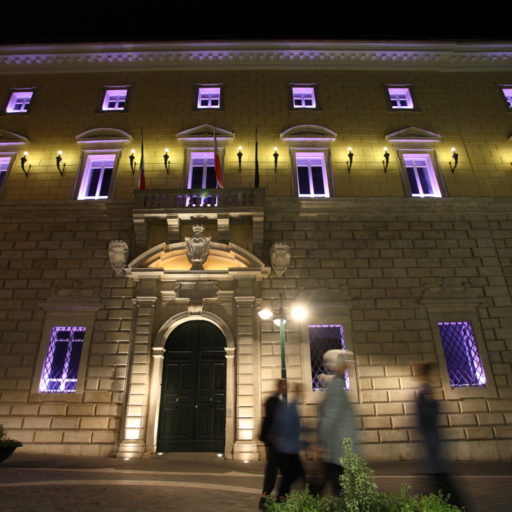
{"x":447,"y":57}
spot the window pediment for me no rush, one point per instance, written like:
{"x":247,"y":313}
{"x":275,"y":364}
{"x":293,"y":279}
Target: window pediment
{"x":205,"y":134}
{"x":104,"y":136}
{"x":308,"y":135}
{"x":8,"y":139}
{"x":413,"y":137}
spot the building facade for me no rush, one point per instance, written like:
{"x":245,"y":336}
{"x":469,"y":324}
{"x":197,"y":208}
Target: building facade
{"x":370,"y":183}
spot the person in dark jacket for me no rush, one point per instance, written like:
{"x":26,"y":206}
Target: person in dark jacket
{"x":428,"y":413}
{"x":267,"y":436}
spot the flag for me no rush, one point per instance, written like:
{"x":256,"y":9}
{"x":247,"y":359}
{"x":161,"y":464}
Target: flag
{"x":216,"y":162}
{"x":256,"y":163}
{"x":141,"y":185}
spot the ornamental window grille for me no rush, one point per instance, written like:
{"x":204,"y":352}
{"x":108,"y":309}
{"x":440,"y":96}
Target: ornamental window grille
{"x":321,"y":339}
{"x":62,"y":361}
{"x":465,"y":367}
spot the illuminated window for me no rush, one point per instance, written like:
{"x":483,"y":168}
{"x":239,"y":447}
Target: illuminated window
{"x":202,"y":171}
{"x":97,"y":177}
{"x":400,"y":98}
{"x":62,"y":361}
{"x":303,"y":97}
{"x":421,"y":176}
{"x":507,"y":93}
{"x":5,"y":162}
{"x":115,"y":99}
{"x":463,"y":360}
{"x":208,"y":97}
{"x":312,"y":175}
{"x":19,"y":102}
{"x":321,"y":339}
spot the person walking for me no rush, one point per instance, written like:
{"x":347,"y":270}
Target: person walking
{"x":287,"y":432}
{"x":267,"y":437}
{"x":336,"y":420}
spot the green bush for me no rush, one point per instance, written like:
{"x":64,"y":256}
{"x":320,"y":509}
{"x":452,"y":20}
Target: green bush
{"x":5,"y":441}
{"x":361,"y":494}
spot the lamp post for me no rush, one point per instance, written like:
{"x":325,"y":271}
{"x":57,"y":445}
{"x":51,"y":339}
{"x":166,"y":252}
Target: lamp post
{"x":298,"y":312}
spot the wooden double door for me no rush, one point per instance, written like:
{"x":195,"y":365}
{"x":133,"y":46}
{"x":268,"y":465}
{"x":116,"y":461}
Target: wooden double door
{"x":193,"y":401}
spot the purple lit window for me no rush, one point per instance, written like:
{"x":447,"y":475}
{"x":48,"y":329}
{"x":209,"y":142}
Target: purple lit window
{"x":97,"y":177}
{"x":400,"y":98}
{"x":202,"y":171}
{"x":303,"y":97}
{"x":321,"y":339}
{"x":208,"y":97}
{"x":312,"y":175}
{"x":19,"y":102}
{"x":465,"y":367}
{"x":421,"y":176}
{"x":507,"y":92}
{"x":115,"y":99}
{"x":4,"y":166}
{"x":61,"y":364}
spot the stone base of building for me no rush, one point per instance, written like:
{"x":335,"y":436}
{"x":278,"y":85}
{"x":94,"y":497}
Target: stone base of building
{"x":245,"y":450}
{"x":87,"y":450}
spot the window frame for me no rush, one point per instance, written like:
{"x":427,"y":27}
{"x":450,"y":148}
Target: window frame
{"x":104,"y":98}
{"x":10,"y":157}
{"x":433,"y":175}
{"x":298,"y":153}
{"x":11,"y":99}
{"x":199,"y":154}
{"x":504,"y":88}
{"x":433,"y":169}
{"x":201,"y":87}
{"x":88,"y":159}
{"x":64,"y":316}
{"x":312,"y":87}
{"x":444,"y":311}
{"x":327,"y":313}
{"x":411,"y":97}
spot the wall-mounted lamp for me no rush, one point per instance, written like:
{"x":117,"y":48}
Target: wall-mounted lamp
{"x":276,"y":158}
{"x":132,"y":161}
{"x":60,"y":165}
{"x":167,"y":165}
{"x":239,"y":155}
{"x":385,"y":162}
{"x":455,"y":160}
{"x":23,"y":161}
{"x":350,"y":157}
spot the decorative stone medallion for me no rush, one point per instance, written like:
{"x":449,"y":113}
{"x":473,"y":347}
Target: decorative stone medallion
{"x":280,"y":257}
{"x":197,"y":247}
{"x":118,"y":255}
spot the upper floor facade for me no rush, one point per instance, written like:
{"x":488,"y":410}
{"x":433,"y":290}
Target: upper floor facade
{"x":306,"y":120}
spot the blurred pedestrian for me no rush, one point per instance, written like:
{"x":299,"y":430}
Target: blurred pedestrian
{"x":428,"y":413}
{"x":336,"y":420}
{"x":287,"y":432}
{"x":267,"y":437}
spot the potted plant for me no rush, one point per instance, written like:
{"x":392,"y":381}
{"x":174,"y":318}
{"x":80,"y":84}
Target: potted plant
{"x":7,"y":446}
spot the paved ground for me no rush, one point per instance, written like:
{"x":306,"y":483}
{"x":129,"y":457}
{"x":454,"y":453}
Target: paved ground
{"x":194,"y":483}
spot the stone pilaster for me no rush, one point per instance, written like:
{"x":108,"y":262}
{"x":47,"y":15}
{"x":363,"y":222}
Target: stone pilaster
{"x":247,"y":381}
{"x":173,"y":229}
{"x":134,"y":424}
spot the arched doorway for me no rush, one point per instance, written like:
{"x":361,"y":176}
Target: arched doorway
{"x":193,"y":400}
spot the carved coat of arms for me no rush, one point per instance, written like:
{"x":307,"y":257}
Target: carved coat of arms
{"x":197,"y":247}
{"x":280,"y":257}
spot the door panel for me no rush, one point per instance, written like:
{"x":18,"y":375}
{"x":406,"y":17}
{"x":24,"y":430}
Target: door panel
{"x":193,"y":401}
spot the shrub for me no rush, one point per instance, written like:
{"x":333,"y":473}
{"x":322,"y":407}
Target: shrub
{"x":361,"y":494}
{"x":5,"y":441}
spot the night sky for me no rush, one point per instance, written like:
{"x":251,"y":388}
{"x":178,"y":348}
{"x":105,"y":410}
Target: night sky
{"x":107,"y":21}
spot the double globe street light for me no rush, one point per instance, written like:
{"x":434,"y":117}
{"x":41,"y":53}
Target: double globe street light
{"x":297,"y":312}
